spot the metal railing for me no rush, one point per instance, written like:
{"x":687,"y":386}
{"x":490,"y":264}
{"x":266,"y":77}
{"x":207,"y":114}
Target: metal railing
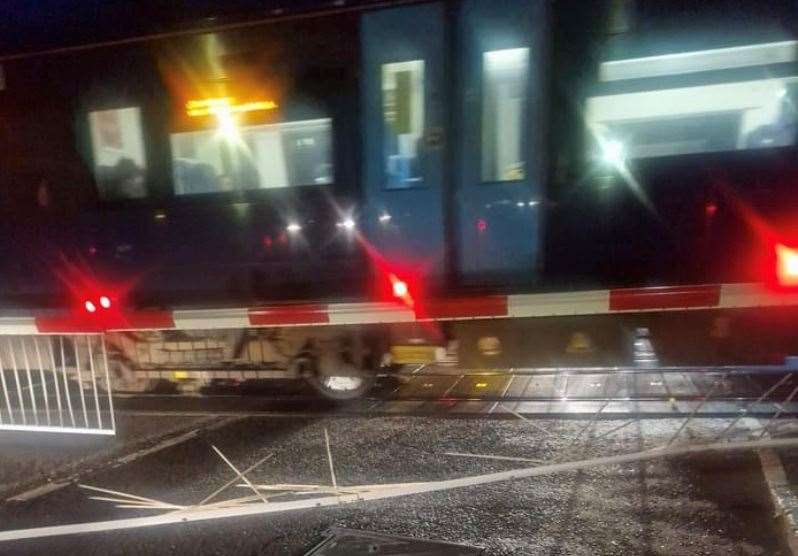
{"x":58,"y":383}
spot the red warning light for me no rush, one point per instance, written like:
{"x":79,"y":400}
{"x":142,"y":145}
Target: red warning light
{"x":399,"y":288}
{"x":786,"y":266}
{"x":482,"y":225}
{"x":89,"y":306}
{"x":105,"y":302}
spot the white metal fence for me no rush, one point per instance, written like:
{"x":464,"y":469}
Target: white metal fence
{"x":57,"y":383}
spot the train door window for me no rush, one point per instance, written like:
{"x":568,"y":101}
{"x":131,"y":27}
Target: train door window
{"x":234,"y":158}
{"x":403,"y":122}
{"x":504,"y":78}
{"x":118,"y":150}
{"x":738,"y":98}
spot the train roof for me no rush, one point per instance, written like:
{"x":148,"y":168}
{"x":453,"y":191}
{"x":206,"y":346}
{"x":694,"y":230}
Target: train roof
{"x":30,"y":28}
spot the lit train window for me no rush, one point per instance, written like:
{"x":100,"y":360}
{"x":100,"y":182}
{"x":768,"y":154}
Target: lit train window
{"x":235,"y":158}
{"x":504,"y":77}
{"x":118,"y":150}
{"x":403,"y":117}
{"x":663,"y":119}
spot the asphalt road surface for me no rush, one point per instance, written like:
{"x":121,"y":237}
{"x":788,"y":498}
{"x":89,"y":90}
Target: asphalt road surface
{"x":699,"y":505}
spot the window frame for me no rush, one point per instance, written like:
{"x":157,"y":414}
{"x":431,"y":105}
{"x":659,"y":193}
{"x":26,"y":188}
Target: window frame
{"x":255,"y":193}
{"x":423,"y":182}
{"x":523,"y":120}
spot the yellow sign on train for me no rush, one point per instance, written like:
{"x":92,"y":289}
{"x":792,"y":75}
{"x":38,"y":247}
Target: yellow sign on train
{"x":409,"y":355}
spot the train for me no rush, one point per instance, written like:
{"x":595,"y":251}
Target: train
{"x":336,"y":154}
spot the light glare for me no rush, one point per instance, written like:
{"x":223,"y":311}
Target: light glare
{"x":346,"y":224}
{"x":227,"y":124}
{"x":399,"y":288}
{"x":613,"y":152}
{"x":215,"y":106}
{"x":787,"y":265}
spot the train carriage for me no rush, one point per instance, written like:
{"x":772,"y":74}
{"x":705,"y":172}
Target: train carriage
{"x":333,"y":189}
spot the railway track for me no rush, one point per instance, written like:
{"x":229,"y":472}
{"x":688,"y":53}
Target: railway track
{"x":607,"y":392}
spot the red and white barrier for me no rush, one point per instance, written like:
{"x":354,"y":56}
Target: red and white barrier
{"x":593,"y":302}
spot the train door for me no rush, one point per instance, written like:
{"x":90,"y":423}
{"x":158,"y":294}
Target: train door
{"x":404,"y":103}
{"x":499,"y":141}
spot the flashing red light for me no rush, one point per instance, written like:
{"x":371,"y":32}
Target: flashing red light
{"x":786,"y":266}
{"x":482,"y":225}
{"x":105,"y":302}
{"x":89,"y":306}
{"x":710,"y":209}
{"x":399,"y":288}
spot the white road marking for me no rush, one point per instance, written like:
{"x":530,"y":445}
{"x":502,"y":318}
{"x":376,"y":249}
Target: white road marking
{"x":43,"y":490}
{"x":778,"y":485}
{"x":169,"y":442}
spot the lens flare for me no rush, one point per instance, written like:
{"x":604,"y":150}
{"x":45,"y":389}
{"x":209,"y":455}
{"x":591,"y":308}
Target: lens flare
{"x":786,"y":266}
{"x":399,"y":289}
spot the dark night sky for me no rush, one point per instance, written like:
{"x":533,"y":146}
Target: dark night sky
{"x":29,"y":25}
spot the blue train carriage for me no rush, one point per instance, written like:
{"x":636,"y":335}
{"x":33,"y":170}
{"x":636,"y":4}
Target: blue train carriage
{"x":489,"y":183}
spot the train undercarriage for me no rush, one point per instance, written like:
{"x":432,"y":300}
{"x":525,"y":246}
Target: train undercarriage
{"x":341,"y":362}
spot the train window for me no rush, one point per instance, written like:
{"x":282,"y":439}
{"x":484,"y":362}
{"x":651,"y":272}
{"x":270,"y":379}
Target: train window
{"x":234,"y":158}
{"x":118,"y":150}
{"x":746,"y":101}
{"x":504,"y":78}
{"x":403,"y":117}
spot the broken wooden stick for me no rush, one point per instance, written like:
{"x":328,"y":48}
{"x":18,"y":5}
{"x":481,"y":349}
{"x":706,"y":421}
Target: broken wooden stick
{"x":232,"y":481}
{"x":238,"y":473}
{"x":488,"y":456}
{"x":121,"y":494}
{"x":329,"y":458}
{"x":433,"y":486}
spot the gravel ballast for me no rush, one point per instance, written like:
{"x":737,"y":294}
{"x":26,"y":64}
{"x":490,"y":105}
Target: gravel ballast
{"x":708,"y":504}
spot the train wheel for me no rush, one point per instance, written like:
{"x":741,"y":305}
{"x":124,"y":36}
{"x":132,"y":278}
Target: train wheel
{"x":342,"y":387}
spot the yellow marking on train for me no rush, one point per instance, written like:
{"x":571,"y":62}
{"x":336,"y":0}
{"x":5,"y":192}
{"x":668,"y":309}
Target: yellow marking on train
{"x":180,"y":375}
{"x":579,"y":343}
{"x":407,"y":355}
{"x":481,"y":384}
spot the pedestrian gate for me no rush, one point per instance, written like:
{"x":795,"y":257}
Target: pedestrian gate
{"x":55,"y":383}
